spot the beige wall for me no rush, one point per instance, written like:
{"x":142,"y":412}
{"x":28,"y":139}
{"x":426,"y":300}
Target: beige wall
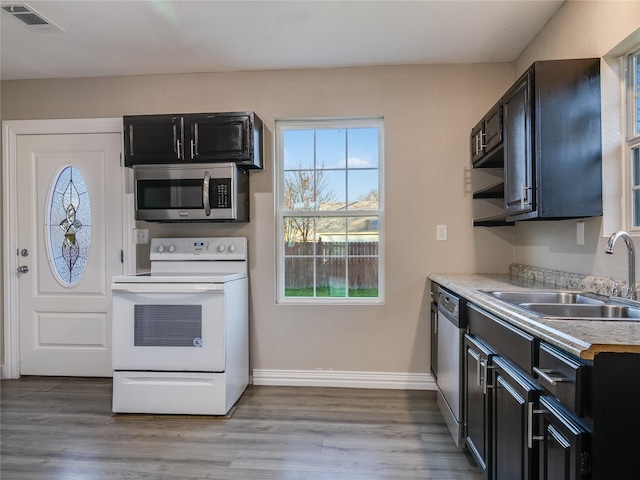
{"x":428,"y":113}
{"x":586,"y":29}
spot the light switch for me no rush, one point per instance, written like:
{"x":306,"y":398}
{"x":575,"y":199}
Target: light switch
{"x":580,"y":233}
{"x":441,"y":233}
{"x":140,"y":236}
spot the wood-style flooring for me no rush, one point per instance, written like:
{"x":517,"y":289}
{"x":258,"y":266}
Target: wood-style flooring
{"x":63,"y":428}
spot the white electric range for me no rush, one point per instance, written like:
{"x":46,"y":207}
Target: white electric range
{"x":180,"y":334}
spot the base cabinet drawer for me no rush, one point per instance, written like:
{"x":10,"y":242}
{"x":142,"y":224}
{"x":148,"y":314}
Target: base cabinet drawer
{"x":518,"y":346}
{"x":564,"y":377}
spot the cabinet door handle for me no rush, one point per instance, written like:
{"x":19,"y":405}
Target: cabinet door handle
{"x":547,"y":375}
{"x":476,"y":357}
{"x":179,"y":150}
{"x":131,"y":139}
{"x":530,"y":413}
{"x":485,"y":375}
{"x":524,"y":189}
{"x":483,"y":137}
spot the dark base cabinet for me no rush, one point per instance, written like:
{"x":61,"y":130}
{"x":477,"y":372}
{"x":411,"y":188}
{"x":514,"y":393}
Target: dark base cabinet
{"x":478,"y":406}
{"x":514,"y":398}
{"x":564,"y":452}
{"x":545,"y":414}
{"x":616,"y":415}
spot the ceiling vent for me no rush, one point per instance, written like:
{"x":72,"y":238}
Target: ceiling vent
{"x":30,"y":17}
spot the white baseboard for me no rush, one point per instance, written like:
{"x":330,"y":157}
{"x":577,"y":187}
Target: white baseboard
{"x":333,"y":378}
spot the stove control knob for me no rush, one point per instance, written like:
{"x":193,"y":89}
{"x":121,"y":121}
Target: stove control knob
{"x":221,"y":248}
{"x":161,"y":248}
{"x":172,"y":248}
{"x":232,"y":248}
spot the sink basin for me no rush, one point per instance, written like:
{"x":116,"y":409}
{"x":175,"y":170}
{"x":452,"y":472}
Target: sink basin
{"x":568,"y":305}
{"x":552,"y":297}
{"x":581,"y":311}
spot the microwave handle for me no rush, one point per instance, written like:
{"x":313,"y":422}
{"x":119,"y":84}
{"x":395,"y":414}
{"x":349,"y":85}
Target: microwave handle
{"x":205,"y":193}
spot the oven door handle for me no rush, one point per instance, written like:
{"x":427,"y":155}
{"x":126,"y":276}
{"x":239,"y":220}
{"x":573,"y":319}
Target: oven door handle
{"x":164,"y":289}
{"x":205,"y":193}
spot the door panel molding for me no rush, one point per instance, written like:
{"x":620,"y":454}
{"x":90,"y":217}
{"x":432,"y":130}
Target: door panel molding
{"x":11,"y":130}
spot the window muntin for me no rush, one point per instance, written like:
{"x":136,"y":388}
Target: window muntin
{"x":330,"y":210}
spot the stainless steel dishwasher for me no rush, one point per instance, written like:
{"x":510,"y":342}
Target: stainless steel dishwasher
{"x":451,"y":327}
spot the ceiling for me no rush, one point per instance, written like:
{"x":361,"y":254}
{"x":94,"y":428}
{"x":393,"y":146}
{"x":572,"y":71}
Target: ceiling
{"x":95,"y":38}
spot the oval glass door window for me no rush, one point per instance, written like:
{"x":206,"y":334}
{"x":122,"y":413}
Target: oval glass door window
{"x":69,"y":225}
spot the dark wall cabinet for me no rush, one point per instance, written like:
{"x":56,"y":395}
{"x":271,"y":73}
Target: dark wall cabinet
{"x":199,"y":137}
{"x":486,"y":139}
{"x":551,"y":142}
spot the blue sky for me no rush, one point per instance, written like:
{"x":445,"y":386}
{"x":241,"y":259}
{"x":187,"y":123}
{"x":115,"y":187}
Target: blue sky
{"x":349,"y":158}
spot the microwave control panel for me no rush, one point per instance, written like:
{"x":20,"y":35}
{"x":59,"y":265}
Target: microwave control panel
{"x":221,"y":193}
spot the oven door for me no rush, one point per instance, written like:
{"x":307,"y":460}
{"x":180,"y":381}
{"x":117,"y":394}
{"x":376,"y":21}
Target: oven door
{"x":168,"y":327}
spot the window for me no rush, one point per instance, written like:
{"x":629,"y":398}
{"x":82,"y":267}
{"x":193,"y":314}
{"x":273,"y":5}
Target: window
{"x":68,"y":226}
{"x":330,"y":210}
{"x":633,"y":132}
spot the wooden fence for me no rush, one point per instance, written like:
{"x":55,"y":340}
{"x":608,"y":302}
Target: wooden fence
{"x":331,"y":261}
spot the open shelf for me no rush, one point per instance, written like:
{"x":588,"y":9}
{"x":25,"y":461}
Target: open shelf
{"x":495,"y":159}
{"x":497,"y":221}
{"x":492,"y":191}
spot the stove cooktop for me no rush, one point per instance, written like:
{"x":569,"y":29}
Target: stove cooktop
{"x":149,"y":277}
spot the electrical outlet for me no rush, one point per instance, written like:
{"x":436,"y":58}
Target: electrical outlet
{"x":441,"y":233}
{"x":580,"y":233}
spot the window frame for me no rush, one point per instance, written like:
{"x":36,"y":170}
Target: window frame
{"x":282,"y":125}
{"x":632,"y":132}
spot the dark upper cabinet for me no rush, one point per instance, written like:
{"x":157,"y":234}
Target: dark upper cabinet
{"x":486,"y":140}
{"x":518,"y":171}
{"x":153,"y":139}
{"x":227,"y":137}
{"x":545,"y":133}
{"x":202,"y":137}
{"x":552,"y":141}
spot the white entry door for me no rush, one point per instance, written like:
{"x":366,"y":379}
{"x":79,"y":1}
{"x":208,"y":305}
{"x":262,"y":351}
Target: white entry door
{"x":69,"y":197}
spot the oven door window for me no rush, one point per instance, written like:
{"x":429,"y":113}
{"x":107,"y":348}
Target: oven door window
{"x":166,"y":194}
{"x":168,"y":325}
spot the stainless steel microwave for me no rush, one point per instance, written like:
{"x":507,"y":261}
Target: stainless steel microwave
{"x":202,"y":192}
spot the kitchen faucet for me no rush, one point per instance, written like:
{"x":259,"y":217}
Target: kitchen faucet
{"x":631,"y":289}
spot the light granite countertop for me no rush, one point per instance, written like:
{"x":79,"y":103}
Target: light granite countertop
{"x":583,"y":338}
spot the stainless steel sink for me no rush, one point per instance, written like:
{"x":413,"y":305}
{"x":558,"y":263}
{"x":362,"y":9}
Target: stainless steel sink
{"x":561,"y":297}
{"x":568,"y":305}
{"x":582,"y":311}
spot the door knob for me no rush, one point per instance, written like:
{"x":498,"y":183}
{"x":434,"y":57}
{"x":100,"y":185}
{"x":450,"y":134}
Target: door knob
{"x":23,"y":269}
